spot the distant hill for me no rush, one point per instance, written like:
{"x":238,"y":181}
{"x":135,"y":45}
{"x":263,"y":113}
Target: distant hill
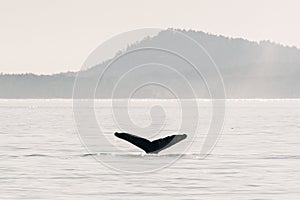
{"x":249,"y":70}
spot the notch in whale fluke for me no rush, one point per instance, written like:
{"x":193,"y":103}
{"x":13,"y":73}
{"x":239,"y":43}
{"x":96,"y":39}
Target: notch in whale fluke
{"x":154,"y":146}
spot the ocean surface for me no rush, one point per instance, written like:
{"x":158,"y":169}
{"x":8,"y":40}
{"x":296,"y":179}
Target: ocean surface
{"x":43,"y":156}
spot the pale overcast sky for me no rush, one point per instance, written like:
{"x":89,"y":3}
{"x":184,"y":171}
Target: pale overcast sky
{"x":49,"y":36}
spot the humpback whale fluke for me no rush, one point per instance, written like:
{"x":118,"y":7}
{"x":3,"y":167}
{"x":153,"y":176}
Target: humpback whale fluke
{"x":151,"y":147}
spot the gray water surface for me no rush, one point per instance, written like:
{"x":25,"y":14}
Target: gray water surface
{"x":257,"y":156}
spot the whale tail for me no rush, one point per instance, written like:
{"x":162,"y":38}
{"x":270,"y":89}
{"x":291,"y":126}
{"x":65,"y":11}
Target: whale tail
{"x":151,"y":147}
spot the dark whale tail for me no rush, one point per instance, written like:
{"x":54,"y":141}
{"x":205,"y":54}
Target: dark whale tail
{"x":151,"y":147}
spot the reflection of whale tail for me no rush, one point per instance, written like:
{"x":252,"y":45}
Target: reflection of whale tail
{"x":151,"y":147}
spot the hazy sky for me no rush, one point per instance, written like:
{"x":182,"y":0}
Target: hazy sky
{"x":48,"y":36}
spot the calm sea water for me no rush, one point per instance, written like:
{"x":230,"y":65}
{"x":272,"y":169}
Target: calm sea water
{"x":256,"y":157}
